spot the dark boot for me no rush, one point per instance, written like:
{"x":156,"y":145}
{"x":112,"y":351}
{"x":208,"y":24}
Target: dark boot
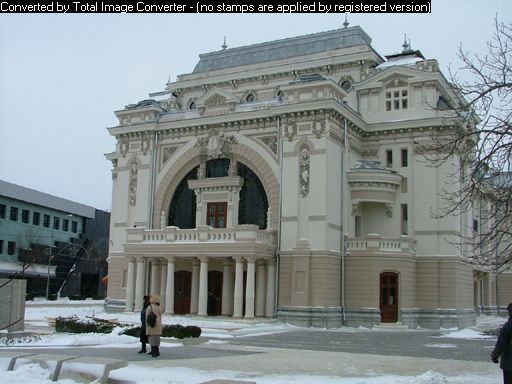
{"x":157,"y":350}
{"x":154,"y":351}
{"x":143,"y":349}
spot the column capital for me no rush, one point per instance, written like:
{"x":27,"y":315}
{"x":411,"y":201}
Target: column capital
{"x":170,"y":259}
{"x":203,"y":259}
{"x":271,"y":262}
{"x":139,"y":259}
{"x":250,"y":259}
{"x":239,"y":259}
{"x":227,"y":263}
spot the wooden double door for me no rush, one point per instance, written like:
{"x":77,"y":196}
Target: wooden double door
{"x":183,"y":289}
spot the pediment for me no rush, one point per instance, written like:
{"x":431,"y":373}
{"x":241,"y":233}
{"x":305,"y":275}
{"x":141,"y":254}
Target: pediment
{"x":394,"y":77}
{"x":216,"y":98}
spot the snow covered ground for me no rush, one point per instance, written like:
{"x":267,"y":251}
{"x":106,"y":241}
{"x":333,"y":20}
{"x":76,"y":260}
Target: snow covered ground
{"x":154,"y":371}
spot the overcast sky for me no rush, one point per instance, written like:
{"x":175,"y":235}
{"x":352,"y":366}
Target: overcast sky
{"x":62,"y":76}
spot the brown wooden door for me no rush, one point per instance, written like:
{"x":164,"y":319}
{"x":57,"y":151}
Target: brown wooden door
{"x":389,"y":297}
{"x":182,"y":291}
{"x":216,"y":214}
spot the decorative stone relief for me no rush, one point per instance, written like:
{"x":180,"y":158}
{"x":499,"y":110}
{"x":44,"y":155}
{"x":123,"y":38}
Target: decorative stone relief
{"x":216,"y":145}
{"x":145,"y":144}
{"x":304,"y":170}
{"x":201,"y":172}
{"x":271,"y":143}
{"x":233,"y":168}
{"x":290,"y":130}
{"x":167,"y":153}
{"x":389,"y":210}
{"x":163,"y":220}
{"x":133,"y":184}
{"x":318,"y":128}
{"x":123,"y":146}
{"x":114,"y":169}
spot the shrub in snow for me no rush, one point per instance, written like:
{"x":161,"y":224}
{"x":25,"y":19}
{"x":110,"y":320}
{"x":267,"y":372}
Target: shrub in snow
{"x":89,"y":325}
{"x":177,"y":331}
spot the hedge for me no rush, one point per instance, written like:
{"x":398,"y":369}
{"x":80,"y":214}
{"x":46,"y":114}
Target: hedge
{"x":93,"y":325}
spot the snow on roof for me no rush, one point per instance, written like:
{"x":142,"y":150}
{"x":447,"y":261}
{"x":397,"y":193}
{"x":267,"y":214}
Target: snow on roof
{"x":406,"y":60}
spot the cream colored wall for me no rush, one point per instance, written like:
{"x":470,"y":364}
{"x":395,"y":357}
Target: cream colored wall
{"x":363,"y":280}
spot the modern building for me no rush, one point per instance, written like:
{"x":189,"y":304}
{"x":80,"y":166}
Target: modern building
{"x":59,"y":246}
{"x":288,"y":179}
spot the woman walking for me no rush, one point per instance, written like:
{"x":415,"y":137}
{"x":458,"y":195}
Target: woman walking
{"x":154,"y":324}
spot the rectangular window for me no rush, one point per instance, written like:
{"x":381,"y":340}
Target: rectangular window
{"x":14,"y":214}
{"x":74,"y":227}
{"x":2,"y":211}
{"x":475,"y":225}
{"x":405,"y":157}
{"x":404,"y":219}
{"x":65,"y":225}
{"x":396,"y":100}
{"x":11,"y":248}
{"x":36,"y":218}
{"x":403,"y":186}
{"x":46,"y":221}
{"x":56,"y":222}
{"x":25,"y":215}
{"x":1,"y":247}
{"x":389,"y":158}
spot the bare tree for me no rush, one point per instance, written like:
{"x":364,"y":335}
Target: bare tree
{"x":482,"y":142}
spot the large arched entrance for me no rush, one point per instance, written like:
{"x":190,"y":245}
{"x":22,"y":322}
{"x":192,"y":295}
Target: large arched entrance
{"x":252,"y":208}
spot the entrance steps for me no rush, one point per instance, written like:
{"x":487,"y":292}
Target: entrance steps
{"x":391,"y":327}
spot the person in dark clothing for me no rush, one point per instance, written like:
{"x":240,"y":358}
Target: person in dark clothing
{"x":502,"y":352}
{"x":143,"y":336}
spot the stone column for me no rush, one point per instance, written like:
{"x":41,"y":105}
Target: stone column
{"x":194,"y":292}
{"x":271,"y":288}
{"x":139,"y":285}
{"x":227,"y":289}
{"x":163,"y":283}
{"x":155,"y":269}
{"x":239,"y":287}
{"x":169,"y":287}
{"x":203,"y":287}
{"x":249,"y":289}
{"x":260,"y":289}
{"x":130,"y":285}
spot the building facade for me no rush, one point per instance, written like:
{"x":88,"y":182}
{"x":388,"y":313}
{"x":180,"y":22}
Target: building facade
{"x":59,"y":246}
{"x":289,"y":179}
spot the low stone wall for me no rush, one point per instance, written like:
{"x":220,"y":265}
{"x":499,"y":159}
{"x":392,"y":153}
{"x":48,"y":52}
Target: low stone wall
{"x":12,"y":302}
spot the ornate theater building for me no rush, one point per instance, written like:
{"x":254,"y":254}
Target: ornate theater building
{"x":288,"y":179}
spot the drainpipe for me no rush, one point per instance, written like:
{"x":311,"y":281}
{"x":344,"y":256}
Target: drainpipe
{"x":278,"y":250}
{"x":342,"y":222}
{"x":152,"y":186}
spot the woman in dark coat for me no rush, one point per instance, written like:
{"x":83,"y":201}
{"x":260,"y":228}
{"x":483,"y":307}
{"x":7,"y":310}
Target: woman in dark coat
{"x":143,"y":336}
{"x":502,"y":352}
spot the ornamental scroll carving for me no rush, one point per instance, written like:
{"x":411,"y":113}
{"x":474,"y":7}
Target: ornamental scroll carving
{"x":215,"y":145}
{"x":304,"y":171}
{"x":133,"y":184}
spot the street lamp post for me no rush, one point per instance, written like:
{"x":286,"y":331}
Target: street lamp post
{"x":48,"y":276}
